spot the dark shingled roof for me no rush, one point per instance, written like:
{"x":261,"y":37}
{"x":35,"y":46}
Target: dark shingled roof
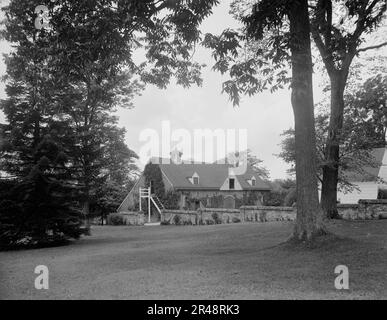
{"x":211,"y":176}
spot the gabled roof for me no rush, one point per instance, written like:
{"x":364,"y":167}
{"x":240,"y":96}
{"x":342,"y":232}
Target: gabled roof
{"x":372,"y":173}
{"x":211,"y":176}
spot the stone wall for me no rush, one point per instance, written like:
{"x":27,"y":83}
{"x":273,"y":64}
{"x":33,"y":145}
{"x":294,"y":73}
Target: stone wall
{"x":373,"y":209}
{"x":126,"y":218}
{"x":364,"y":210}
{"x":179,"y":217}
{"x":268,"y":214}
{"x":348,"y":211}
{"x":209,"y":216}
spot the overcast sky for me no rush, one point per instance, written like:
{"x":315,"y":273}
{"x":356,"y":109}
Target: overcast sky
{"x":264,"y":116}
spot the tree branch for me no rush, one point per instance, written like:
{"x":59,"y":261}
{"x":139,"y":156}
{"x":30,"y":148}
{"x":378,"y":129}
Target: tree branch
{"x":372,"y":47}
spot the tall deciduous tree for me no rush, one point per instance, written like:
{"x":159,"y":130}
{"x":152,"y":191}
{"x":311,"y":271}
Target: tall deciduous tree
{"x":94,"y":50}
{"x":257,"y":165}
{"x":80,"y":67}
{"x":339,"y":42}
{"x":277,"y":34}
{"x":368,"y":106}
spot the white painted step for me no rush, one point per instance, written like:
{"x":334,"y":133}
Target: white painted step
{"x":152,"y":224}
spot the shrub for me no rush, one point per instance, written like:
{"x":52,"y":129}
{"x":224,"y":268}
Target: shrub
{"x":216,"y":218}
{"x":274,"y":198}
{"x":176,"y":219}
{"x":236,"y":220}
{"x":115,"y":219}
{"x":171,"y":200}
{"x":291,"y":198}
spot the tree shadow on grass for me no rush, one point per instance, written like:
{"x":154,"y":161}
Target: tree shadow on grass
{"x":325,"y":242}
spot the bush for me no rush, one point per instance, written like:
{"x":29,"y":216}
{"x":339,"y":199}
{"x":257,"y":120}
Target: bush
{"x":216,"y":218}
{"x":291,"y":198}
{"x":171,"y":200}
{"x":115,"y":219}
{"x":176,"y":219}
{"x":274,"y":198}
{"x":236,"y":220}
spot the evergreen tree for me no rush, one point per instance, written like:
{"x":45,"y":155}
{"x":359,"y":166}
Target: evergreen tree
{"x":40,"y":208}
{"x":64,"y":81}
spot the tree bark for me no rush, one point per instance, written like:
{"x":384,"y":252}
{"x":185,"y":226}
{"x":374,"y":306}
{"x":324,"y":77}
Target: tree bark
{"x":86,"y":211}
{"x":309,"y":223}
{"x":332,"y":150}
{"x":86,"y":199}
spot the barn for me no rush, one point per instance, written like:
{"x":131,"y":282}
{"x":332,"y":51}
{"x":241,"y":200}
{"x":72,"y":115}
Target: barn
{"x":198,"y":185}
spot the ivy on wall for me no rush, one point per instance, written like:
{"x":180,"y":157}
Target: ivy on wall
{"x":153,"y":174}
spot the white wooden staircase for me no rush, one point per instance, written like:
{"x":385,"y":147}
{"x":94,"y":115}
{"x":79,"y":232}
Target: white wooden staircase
{"x":152,"y":198}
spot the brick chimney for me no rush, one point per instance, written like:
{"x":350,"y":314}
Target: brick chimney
{"x":176,"y":156}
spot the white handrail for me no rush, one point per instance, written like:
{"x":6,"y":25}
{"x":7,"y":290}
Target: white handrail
{"x":146,"y":193}
{"x":157,"y":207}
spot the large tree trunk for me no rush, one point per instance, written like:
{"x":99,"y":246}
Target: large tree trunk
{"x":332,"y":150}
{"x":86,"y":199}
{"x":86,"y":212}
{"x":309,"y":222}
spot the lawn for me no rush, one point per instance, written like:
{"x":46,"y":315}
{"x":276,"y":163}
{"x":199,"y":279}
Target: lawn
{"x":239,"y":261}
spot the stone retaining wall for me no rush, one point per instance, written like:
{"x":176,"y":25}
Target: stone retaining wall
{"x":209,"y":216}
{"x":268,"y":214}
{"x":349,"y":211}
{"x":364,"y":210}
{"x":179,"y":217}
{"x":126,"y":218}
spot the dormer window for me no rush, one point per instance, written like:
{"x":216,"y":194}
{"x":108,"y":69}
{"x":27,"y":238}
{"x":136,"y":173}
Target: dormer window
{"x":253,"y":182}
{"x":194,"y":179}
{"x":231,"y":183}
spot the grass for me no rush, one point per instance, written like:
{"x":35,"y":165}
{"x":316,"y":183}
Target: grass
{"x":240,"y":261}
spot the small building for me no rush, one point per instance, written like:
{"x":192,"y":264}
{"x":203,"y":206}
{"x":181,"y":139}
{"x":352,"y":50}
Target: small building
{"x":370,"y":185}
{"x":203,"y":185}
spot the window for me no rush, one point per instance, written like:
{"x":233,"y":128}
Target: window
{"x":253,"y":182}
{"x":231,"y":184}
{"x":152,"y":186}
{"x":194,"y":179}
